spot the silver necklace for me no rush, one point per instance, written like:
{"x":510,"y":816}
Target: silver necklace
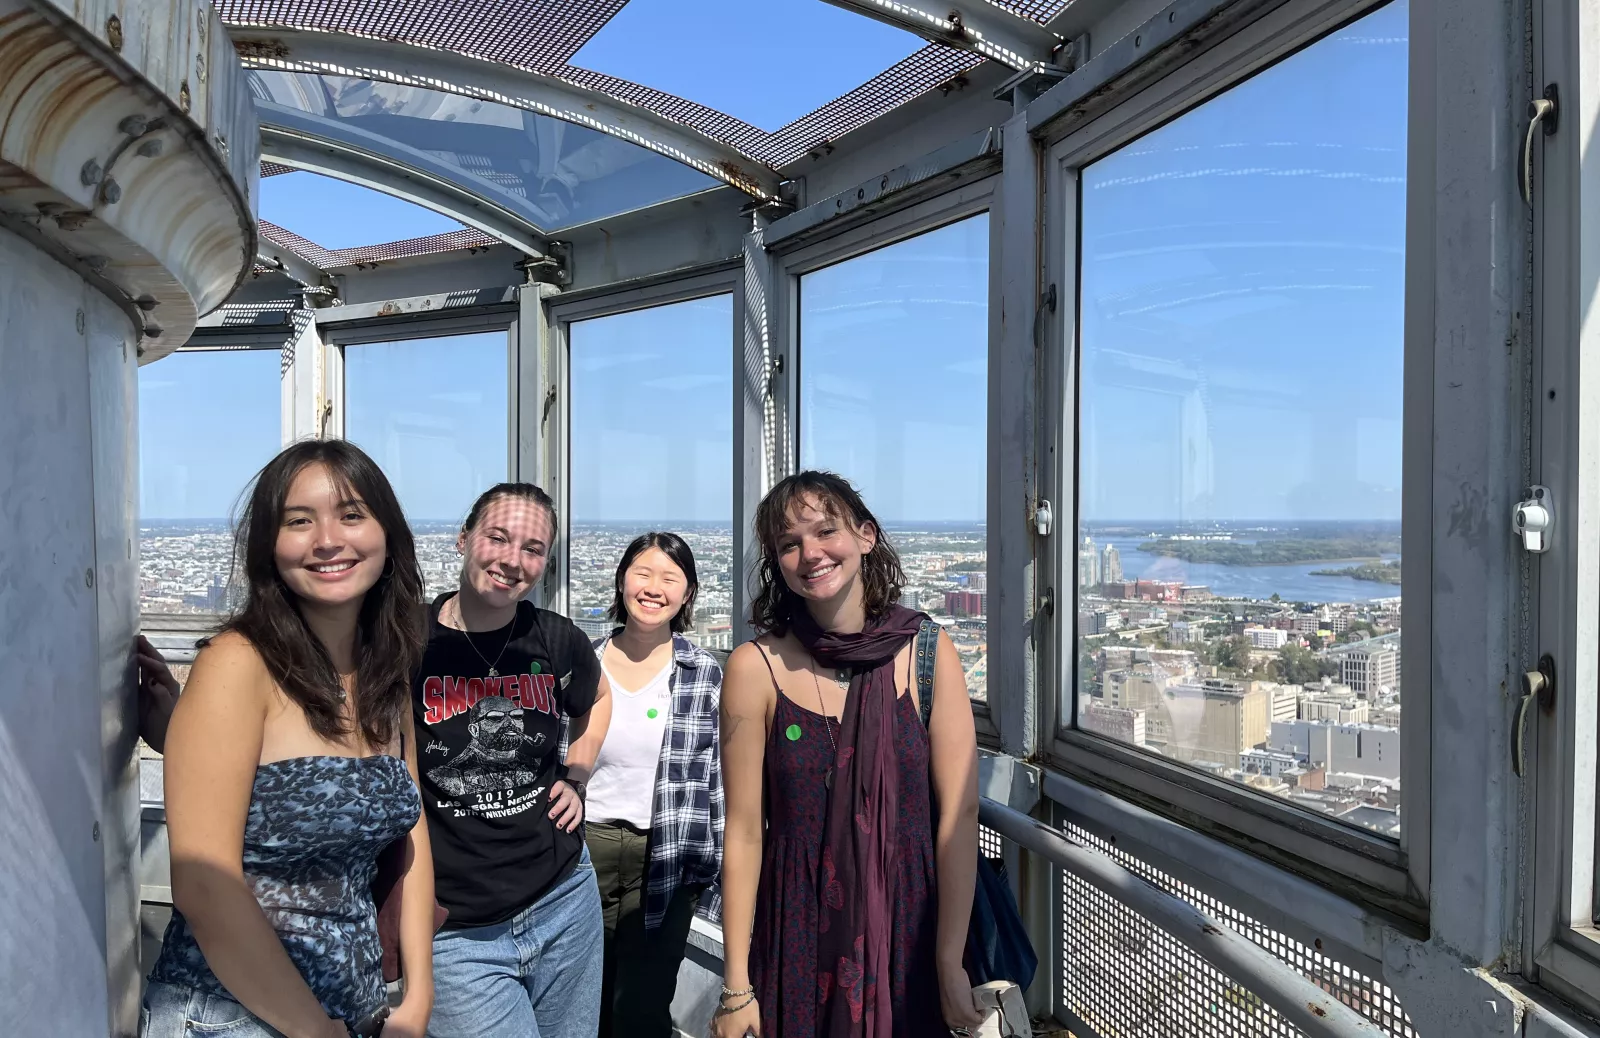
{"x":493,"y":671}
{"x":827,"y":725}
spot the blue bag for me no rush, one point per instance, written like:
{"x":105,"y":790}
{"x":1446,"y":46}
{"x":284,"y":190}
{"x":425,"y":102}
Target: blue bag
{"x":998,"y":947}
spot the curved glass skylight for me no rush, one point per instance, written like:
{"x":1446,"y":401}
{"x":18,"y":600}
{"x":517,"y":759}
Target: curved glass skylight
{"x":552,"y":173}
{"x":340,"y":215}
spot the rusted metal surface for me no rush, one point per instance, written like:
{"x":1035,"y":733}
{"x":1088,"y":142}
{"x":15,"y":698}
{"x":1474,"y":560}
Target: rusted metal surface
{"x":101,"y":166}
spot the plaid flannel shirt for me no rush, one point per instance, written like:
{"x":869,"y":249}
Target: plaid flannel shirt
{"x":687,"y":815}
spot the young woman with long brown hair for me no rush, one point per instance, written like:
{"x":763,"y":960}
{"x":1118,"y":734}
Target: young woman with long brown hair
{"x":851,"y":844}
{"x":290,"y":765}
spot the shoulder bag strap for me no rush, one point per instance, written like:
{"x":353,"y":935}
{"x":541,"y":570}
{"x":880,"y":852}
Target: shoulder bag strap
{"x":927,"y":649}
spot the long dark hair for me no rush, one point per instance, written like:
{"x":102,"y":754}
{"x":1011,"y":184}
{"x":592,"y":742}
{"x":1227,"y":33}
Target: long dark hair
{"x":881,"y":575}
{"x":676,"y":549}
{"x":390,"y":631}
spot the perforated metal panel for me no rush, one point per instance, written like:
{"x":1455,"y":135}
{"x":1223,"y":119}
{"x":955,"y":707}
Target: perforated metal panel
{"x":990,"y":843}
{"x":273,"y":169}
{"x":1125,"y":978}
{"x":325,"y":258}
{"x":536,"y":34}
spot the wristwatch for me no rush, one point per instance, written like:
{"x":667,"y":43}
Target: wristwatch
{"x":565,"y":775}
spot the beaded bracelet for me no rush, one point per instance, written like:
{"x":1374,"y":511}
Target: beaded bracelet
{"x":724,"y":1010}
{"x":728,"y":992}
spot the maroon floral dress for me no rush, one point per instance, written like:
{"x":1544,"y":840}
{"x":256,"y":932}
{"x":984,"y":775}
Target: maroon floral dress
{"x":783,"y":945}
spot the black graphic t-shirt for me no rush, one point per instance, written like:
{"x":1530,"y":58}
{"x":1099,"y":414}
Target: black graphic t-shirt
{"x":489,"y":726}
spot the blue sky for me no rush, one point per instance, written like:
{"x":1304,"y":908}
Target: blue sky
{"x":1240,"y":323}
{"x":820,"y":51}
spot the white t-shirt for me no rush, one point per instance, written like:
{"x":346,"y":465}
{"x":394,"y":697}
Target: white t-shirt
{"x":623,"y":786}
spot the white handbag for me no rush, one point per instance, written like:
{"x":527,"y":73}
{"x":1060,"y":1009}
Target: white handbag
{"x":1005,"y":1013}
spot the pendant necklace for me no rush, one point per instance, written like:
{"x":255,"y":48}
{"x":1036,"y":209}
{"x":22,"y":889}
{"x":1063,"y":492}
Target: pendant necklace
{"x":462,"y":620}
{"x":827,"y":722}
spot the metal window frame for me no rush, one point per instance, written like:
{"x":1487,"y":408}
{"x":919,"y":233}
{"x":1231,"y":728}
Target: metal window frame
{"x":561,"y":312}
{"x":899,"y":224}
{"x":359,"y":327}
{"x":1388,"y":876}
{"x":1561,"y":940}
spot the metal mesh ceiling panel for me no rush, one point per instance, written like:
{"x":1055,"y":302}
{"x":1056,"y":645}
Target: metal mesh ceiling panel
{"x":1039,"y":10}
{"x":536,"y":34}
{"x":273,"y":169}
{"x":542,"y":36}
{"x":325,"y":258}
{"x":1124,"y":977}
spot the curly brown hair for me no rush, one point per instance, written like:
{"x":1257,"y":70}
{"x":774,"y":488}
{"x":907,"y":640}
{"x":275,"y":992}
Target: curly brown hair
{"x":882,"y":577}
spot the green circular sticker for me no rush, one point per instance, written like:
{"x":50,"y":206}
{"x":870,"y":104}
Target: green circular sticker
{"x":793,"y":732}
{"x":533,"y":668}
{"x":651,"y":713}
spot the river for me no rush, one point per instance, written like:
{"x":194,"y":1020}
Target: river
{"x":1293,"y":583}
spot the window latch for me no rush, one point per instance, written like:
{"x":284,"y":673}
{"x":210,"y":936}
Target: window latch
{"x":1543,"y":112}
{"x":1536,"y":684}
{"x":1532,"y":518}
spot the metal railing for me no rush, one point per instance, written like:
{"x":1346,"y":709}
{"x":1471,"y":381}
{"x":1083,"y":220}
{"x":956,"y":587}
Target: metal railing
{"x":1302,"y":1003}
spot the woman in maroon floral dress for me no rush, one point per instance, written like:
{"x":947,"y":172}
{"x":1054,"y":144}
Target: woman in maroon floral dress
{"x":852,"y":831}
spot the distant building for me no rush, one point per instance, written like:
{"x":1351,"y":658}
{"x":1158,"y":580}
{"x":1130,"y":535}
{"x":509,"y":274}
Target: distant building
{"x":1089,"y":574}
{"x":1370,"y":667}
{"x":978,"y":581}
{"x":594,"y":626}
{"x":1271,"y":763}
{"x":714,"y":631}
{"x":1110,"y":565}
{"x":1214,"y":721}
{"x":1337,"y":709}
{"x":965,"y":603}
{"x":1138,"y":688}
{"x":1185,"y":632}
{"x":911,"y":598}
{"x":1266,"y":637}
{"x":1363,"y":750}
{"x":1113,"y":722}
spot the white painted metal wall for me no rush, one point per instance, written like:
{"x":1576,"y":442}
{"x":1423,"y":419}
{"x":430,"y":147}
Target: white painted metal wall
{"x":68,"y":598}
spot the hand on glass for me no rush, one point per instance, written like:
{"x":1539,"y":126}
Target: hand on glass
{"x":566,"y":806}
{"x":158,"y":693}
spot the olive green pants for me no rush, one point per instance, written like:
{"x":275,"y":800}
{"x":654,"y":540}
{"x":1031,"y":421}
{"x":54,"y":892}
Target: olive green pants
{"x":641,"y":967}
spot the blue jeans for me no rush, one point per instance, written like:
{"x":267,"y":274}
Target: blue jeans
{"x":173,"y":1011}
{"x":537,"y":976}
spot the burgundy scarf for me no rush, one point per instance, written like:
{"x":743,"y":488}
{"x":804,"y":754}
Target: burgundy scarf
{"x":857,"y":880}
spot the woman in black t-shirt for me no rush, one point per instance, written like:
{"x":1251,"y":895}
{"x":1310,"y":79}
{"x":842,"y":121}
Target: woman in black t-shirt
{"x":510,"y":710}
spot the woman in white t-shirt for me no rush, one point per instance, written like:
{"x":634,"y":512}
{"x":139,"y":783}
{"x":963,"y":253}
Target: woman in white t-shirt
{"x":654,"y":804}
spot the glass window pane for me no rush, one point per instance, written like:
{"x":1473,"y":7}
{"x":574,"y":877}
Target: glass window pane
{"x":1240,"y":431}
{"x":552,"y":172}
{"x":208,"y":421}
{"x":435,"y":415}
{"x":338,"y":215}
{"x":652,"y":449}
{"x":894,"y":348}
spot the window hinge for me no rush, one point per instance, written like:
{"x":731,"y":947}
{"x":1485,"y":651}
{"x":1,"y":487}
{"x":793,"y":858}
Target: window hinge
{"x":549,"y":402}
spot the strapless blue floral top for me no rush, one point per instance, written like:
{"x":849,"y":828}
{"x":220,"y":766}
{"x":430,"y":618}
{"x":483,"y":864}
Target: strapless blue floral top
{"x":312,"y":837}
